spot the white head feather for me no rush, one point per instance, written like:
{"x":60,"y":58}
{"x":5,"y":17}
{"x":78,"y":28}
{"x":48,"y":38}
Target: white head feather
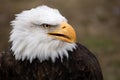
{"x":29,"y":41}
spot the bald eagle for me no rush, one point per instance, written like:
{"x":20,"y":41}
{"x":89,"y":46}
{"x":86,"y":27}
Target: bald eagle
{"x":44,"y":47}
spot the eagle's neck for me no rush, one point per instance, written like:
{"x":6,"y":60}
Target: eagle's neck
{"x":23,"y":49}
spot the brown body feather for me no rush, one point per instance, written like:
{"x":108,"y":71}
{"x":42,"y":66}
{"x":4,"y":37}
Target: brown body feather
{"x":81,"y":65}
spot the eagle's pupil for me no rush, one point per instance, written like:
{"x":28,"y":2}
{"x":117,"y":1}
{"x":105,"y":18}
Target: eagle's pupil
{"x":47,"y":25}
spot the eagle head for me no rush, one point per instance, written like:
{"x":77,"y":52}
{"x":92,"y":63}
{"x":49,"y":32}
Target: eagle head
{"x":41,"y":33}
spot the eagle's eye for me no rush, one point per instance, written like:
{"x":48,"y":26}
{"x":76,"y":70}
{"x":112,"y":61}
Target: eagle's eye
{"x":46,"y":25}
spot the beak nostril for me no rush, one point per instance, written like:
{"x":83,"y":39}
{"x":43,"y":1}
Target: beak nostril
{"x":63,"y":27}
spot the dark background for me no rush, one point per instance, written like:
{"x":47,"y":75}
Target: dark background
{"x":97,"y":23}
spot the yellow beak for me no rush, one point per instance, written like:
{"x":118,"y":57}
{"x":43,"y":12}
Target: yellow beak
{"x":65,"y":33}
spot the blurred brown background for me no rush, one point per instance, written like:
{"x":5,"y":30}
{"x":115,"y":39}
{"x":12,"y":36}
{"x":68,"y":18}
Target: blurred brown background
{"x":97,"y":23}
